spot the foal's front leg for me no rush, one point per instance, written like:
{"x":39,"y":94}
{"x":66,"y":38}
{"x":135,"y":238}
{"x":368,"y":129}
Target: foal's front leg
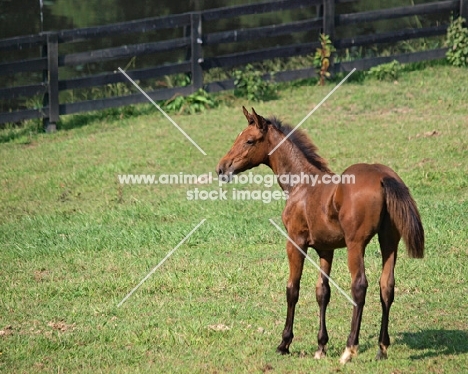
{"x":296,"y":264}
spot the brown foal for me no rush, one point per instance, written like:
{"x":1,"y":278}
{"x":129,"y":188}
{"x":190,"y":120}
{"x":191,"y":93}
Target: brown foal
{"x":327,"y":216}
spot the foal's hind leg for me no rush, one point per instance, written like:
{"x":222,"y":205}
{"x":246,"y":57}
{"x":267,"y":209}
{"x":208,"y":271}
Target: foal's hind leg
{"x":296,"y":264}
{"x":358,"y":290}
{"x":388,"y":239}
{"x":322,"y":293}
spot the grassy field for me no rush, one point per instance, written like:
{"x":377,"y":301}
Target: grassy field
{"x":74,"y":242}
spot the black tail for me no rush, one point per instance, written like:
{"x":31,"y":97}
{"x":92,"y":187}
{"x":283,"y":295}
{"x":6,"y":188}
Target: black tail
{"x":404,"y":215}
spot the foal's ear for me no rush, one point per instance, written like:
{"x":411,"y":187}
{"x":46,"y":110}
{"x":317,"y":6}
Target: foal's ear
{"x":246,"y":113}
{"x":260,"y":122}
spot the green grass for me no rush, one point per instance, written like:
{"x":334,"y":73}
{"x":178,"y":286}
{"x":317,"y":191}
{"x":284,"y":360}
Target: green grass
{"x":74,"y":242}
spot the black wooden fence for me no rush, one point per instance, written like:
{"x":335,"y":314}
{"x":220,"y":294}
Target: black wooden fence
{"x":327,"y":21}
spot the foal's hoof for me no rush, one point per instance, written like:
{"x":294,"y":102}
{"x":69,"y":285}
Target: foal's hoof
{"x":348,"y":354}
{"x":381,"y":354}
{"x":320,"y":353}
{"x":282,"y":351}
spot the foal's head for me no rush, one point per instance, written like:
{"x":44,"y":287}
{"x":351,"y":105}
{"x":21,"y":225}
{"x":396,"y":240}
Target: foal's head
{"x":250,"y":148}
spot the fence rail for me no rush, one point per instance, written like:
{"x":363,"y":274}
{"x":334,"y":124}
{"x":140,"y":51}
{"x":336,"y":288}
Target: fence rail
{"x":392,"y":13}
{"x":194,"y":41}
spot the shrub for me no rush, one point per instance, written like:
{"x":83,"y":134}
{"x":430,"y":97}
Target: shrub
{"x":389,"y":71}
{"x":322,"y":58}
{"x":457,"y":43}
{"x":250,"y":84}
{"x":194,"y":103}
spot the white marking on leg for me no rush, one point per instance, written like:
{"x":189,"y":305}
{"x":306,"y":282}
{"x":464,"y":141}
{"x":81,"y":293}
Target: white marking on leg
{"x":348,"y":354}
{"x":321,"y":353}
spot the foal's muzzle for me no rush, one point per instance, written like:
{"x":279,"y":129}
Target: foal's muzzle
{"x":224,"y":172}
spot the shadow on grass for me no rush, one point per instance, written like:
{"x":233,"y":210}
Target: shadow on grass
{"x":25,"y":132}
{"x":434,"y":343}
{"x":83,"y":119}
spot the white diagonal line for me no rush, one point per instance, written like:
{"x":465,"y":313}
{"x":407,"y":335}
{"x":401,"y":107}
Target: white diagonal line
{"x":311,"y":112}
{"x":163,"y":112}
{"x":162,"y":261}
{"x":312,"y":261}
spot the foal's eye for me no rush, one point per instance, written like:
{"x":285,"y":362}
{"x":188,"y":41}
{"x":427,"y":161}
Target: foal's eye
{"x":250,"y":141}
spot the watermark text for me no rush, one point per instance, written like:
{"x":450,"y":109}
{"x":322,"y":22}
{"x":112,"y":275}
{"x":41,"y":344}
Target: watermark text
{"x":267,"y":180}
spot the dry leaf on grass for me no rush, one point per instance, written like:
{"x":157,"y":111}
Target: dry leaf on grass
{"x":7,"y":330}
{"x":61,"y":326}
{"x":219,"y":327}
{"x":426,"y":134}
{"x":40,"y":275}
{"x":431,"y":133}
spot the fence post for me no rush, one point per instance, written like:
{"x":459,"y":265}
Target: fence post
{"x":464,"y":9}
{"x":196,"y":57}
{"x":50,"y":78}
{"x":329,"y":18}
{"x":329,"y":24}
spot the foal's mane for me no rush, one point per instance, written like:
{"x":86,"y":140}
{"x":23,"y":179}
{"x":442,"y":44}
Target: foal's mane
{"x":300,"y":139}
